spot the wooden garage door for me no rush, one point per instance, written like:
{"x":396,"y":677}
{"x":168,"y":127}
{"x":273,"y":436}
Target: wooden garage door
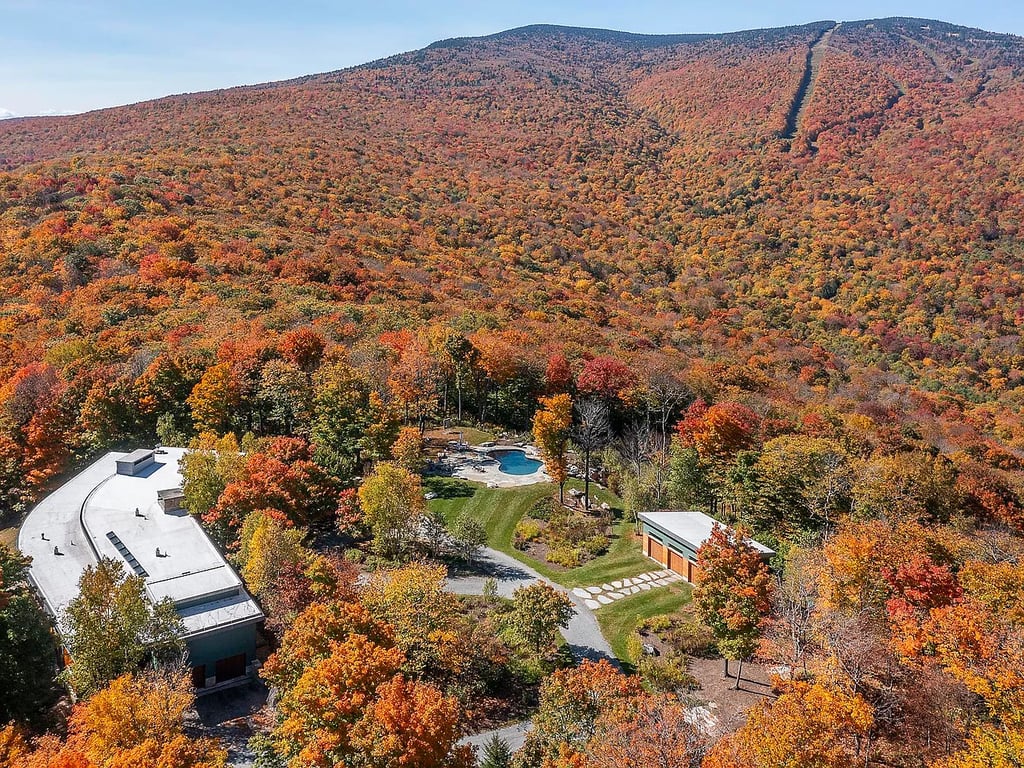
{"x":655,"y":550}
{"x":676,"y":563}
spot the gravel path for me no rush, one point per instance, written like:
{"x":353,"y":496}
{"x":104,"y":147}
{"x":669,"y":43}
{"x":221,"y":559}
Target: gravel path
{"x":514,"y":735}
{"x":583,"y":634}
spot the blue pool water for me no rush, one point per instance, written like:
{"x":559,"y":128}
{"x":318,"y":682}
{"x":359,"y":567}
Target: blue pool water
{"x":516,"y":462}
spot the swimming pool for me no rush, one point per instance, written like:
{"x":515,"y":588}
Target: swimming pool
{"x":513,"y":462}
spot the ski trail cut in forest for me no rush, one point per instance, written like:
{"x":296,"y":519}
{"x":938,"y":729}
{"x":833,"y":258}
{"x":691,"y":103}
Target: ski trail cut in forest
{"x":932,"y":56}
{"x":804,"y":92}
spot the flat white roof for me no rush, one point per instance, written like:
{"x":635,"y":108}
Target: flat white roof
{"x":692,"y":527}
{"x":78,"y":516}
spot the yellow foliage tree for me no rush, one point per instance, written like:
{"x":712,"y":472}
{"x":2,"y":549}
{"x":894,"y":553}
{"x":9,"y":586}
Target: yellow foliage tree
{"x":213,"y":399}
{"x":426,"y":617}
{"x":266,"y":544}
{"x":989,"y":746}
{"x":408,"y":449}
{"x":135,"y":721}
{"x":392,"y":500}
{"x":551,"y":429}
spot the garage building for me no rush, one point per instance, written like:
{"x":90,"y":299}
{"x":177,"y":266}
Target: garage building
{"x":672,"y":538}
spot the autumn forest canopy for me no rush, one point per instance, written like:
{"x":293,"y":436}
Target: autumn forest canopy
{"x":783,"y":269}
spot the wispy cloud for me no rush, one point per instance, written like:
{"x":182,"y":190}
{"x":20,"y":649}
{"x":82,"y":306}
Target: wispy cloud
{"x":6,"y":113}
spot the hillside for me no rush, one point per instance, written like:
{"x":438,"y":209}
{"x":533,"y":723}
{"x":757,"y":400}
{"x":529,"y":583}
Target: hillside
{"x":622,"y":192}
{"x":773,"y":277}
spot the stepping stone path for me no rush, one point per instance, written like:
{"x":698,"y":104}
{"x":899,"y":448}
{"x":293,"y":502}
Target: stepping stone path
{"x":596,"y":597}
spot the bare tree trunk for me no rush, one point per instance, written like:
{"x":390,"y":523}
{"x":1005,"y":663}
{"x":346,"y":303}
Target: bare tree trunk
{"x":591,"y":432}
{"x":586,"y":480}
{"x":739,"y":676}
{"x":726,"y":667}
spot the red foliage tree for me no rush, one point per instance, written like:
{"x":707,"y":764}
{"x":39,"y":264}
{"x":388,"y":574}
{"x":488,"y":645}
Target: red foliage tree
{"x":606,"y":377}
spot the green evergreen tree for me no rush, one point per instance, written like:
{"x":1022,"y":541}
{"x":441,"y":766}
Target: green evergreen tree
{"x":496,"y":754}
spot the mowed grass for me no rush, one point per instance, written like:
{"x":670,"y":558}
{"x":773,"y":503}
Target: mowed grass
{"x":620,"y":619}
{"x":500,"y":509}
{"x":497,"y":509}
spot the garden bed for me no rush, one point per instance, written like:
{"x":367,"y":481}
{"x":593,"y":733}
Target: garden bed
{"x":564,"y":537}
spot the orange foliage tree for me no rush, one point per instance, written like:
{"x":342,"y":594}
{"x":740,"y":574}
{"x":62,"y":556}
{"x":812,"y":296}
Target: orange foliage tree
{"x":137,"y":720}
{"x":808,"y":726}
{"x":732,"y":593}
{"x":214,"y":398}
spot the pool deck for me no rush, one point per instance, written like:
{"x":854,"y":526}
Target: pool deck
{"x":476,"y":464}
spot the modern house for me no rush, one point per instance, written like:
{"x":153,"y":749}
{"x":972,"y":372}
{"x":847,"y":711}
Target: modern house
{"x":128,"y":507}
{"x":672,"y":538}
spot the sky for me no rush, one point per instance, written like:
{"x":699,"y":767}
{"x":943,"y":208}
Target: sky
{"x":63,"y":56}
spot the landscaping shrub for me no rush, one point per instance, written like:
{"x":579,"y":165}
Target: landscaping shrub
{"x":573,"y":538}
{"x":635,"y":647}
{"x":691,"y":639}
{"x":543,"y":509}
{"x":656,"y":624}
{"x":527,"y":530}
{"x":566,"y":555}
{"x":666,"y":674}
{"x":597,"y":545}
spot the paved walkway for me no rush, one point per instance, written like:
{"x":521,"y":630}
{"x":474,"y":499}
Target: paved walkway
{"x":595,"y":597}
{"x":583,"y":634}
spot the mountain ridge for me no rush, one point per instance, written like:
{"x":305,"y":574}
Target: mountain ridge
{"x":638,"y":40}
{"x":635,"y":198}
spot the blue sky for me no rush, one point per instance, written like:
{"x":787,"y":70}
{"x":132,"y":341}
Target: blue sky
{"x":76,"y":55}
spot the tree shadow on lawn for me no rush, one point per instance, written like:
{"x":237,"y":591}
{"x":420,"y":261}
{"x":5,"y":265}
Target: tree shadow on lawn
{"x":488,"y":569}
{"x":449,"y":488}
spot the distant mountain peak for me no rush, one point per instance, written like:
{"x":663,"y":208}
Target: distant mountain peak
{"x":634,"y":39}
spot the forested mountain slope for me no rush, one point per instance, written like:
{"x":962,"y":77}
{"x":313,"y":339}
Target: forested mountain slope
{"x":611,"y":192}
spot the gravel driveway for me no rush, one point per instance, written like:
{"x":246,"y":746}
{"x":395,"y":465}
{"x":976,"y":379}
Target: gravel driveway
{"x":583,"y":634}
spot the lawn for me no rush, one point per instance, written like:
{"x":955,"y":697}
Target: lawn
{"x":499,"y":509}
{"x":620,"y":619}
